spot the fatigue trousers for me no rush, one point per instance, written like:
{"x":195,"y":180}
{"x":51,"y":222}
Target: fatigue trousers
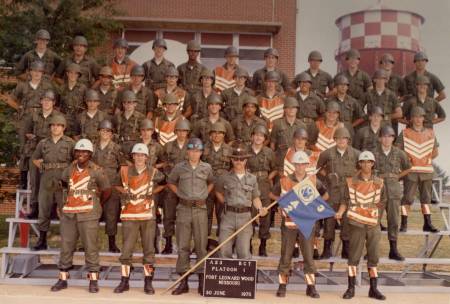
{"x":329,"y":227}
{"x":111,"y":213}
{"x":35,"y":178}
{"x":360,"y":236}
{"x":191,"y":222}
{"x":169,"y":212}
{"x":231,"y":222}
{"x":264,"y":222}
{"x":288,"y":239}
{"x":214,"y":207}
{"x":131,"y":230}
{"x":50,"y":194}
{"x":392,"y":215}
{"x":71,"y":229}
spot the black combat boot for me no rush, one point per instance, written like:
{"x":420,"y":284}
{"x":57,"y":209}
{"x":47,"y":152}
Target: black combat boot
{"x":93,"y":282}
{"x":374,"y":292}
{"x":327,"y":252}
{"x":345,"y":246}
{"x":281,"y":292}
{"x":350,"y":292}
{"x":124,"y":285}
{"x":183,"y":287}
{"x":382,"y":227}
{"x":148,"y":286}
{"x":427,"y":225}
{"x":200,"y":284}
{"x":62,"y":281}
{"x":168,"y":247}
{"x":112,"y":244}
{"x":393,"y":252}
{"x":312,"y":292}
{"x":262,"y":248}
{"x":34,"y":213}
{"x":404,"y":223}
{"x":42,"y":242}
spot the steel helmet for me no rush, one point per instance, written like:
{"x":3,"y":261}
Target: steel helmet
{"x":301,"y":133}
{"x":170,"y":99}
{"x":58,"y":120}
{"x":120,"y":43}
{"x":341,"y":79}
{"x":300,"y":157}
{"x":422,"y":79}
{"x":106,"y":71}
{"x":140,"y":148}
{"x":92,"y":94}
{"x":417,"y":111}
{"x":80,"y":40}
{"x":380,"y":73}
{"x":137,"y":70}
{"x":105,"y":124}
{"x":261,"y":130}
{"x":303,"y":77}
{"x":352,"y":54}
{"x":387,"y":131}
{"x":214,"y":99}
{"x":333,"y":106}
{"x":84,"y":145}
{"x":159,"y":42}
{"x":42,"y":34}
{"x":315,"y":55}
{"x":73,"y":67}
{"x":342,"y":133}
{"x":272,"y":76}
{"x":272,"y":52}
{"x":366,"y":155}
{"x":241,"y":72}
{"x":50,"y":94}
{"x":420,"y":56}
{"x":250,"y":100}
{"x":207,"y":73}
{"x":146,"y":124}
{"x":183,"y":125}
{"x":218,"y":127}
{"x":193,"y":46}
{"x":291,"y":102}
{"x":171,"y":71}
{"x":37,"y":66}
{"x":231,"y":51}
{"x":387,"y":58}
{"x":376,"y":110}
{"x":128,"y":96}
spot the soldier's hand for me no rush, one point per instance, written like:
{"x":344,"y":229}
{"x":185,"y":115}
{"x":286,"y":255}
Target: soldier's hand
{"x":38,"y":162}
{"x":263,"y":211}
{"x":338,"y":215}
{"x":30,"y":136}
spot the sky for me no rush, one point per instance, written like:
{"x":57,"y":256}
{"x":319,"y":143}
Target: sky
{"x":316,"y":29}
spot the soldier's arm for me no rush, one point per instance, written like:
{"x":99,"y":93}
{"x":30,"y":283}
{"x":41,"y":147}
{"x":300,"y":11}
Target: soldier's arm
{"x":37,"y":157}
{"x":435,"y":152}
{"x":439,"y":87}
{"x":229,"y":136}
{"x":322,"y":163}
{"x":405,"y":165}
{"x":367,"y":83}
{"x":440,"y":113}
{"x":173,"y":179}
{"x":104,"y":185}
{"x":359,"y":114}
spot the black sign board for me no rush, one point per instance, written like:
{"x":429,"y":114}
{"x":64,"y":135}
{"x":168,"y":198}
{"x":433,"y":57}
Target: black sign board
{"x":229,"y":278}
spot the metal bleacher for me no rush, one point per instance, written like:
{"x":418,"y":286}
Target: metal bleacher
{"x":20,"y":265}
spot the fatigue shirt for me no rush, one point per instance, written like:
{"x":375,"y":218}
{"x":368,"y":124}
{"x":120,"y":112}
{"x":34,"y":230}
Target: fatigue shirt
{"x":366,"y":139}
{"x":360,"y":83}
{"x":243,"y":130}
{"x":320,"y":82}
{"x":202,"y":129}
{"x":258,"y":83}
{"x":87,"y":127}
{"x":108,"y":100}
{"x":261,"y":164}
{"x":434,"y":86}
{"x":109,"y":158}
{"x":232,"y":102}
{"x":89,"y":69}
{"x":310,"y":108}
{"x":238,"y":192}
{"x":387,"y":101}
{"x":431,"y":106}
{"x":189,"y":78}
{"x":50,"y":59}
{"x":219,"y":160}
{"x":155,"y":74}
{"x":192,"y":183}
{"x":28,"y":98}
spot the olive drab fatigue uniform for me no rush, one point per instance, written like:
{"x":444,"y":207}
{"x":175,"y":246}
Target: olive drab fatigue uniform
{"x":434,"y":87}
{"x":320,"y":83}
{"x":258,"y":84}
{"x":389,"y":166}
{"x":366,"y":138}
{"x":71,"y":104}
{"x":80,"y":213}
{"x":197,"y":100}
{"x":155,"y":153}
{"x":261,"y":164}
{"x":233,"y":100}
{"x":192,"y":217}
{"x":243,"y":129}
{"x":271,"y":108}
{"x":338,"y":167}
{"x":50,"y":59}
{"x":397,"y":85}
{"x":419,"y":146}
{"x":87,"y":126}
{"x":29,"y":97}
{"x":145,"y":99}
{"x":162,"y":92}
{"x":172,"y":155}
{"x":89,"y":69}
{"x":57,"y":156}
{"x":220,"y":161}
{"x":431,"y":106}
{"x":224,"y":78}
{"x":290,"y":234}
{"x":202,"y":128}
{"x":362,"y":216}
{"x":359,"y":85}
{"x":121,"y":72}
{"x":351,"y":110}
{"x":138,"y":213}
{"x":311,"y":108}
{"x":387,"y":101}
{"x":110,"y":158}
{"x":282,"y":137}
{"x":108,"y":100}
{"x":189,"y":78}
{"x":127,"y":129}
{"x":239,"y":194}
{"x":155,"y":74}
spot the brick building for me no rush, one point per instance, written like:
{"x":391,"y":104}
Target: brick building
{"x":250,"y":25}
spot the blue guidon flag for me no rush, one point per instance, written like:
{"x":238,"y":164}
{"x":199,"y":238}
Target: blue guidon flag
{"x":304,"y":205}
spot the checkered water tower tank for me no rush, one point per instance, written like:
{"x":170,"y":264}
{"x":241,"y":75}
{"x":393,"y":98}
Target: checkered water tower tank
{"x":379,"y":30}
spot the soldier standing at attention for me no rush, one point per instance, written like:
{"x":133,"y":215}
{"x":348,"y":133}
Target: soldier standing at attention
{"x":89,"y":120}
{"x":190,"y":70}
{"x":366,"y":138}
{"x":234,"y":97}
{"x":321,"y":81}
{"x":238,"y":191}
{"x":394,"y":82}
{"x":195,"y":107}
{"x":421,"y":146}
{"x":243,"y":125}
{"x":165,"y":125}
{"x":262,"y":164}
{"x":290,"y":234}
{"x":312,"y":106}
{"x":224,"y":74}
{"x":121,"y":64}
{"x":108,"y":155}
{"x":155,"y":68}
{"x":40,"y":53}
{"x":171,"y":87}
{"x":392,"y":165}
{"x":363,"y":222}
{"x":139,"y":184}
{"x":192,"y":181}
{"x":326,"y":127}
{"x":271,"y":56}
{"x":107,"y":92}
{"x":270,"y":100}
{"x":87,"y":190}
{"x":52,"y":155}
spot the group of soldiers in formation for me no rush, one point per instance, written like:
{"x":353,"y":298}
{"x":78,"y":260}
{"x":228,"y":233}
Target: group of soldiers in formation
{"x":137,"y":143}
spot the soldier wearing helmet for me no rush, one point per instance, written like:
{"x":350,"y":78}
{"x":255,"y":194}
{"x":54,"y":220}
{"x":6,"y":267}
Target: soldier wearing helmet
{"x":301,"y":161}
{"x":366,"y":138}
{"x":394,"y":82}
{"x":189,"y":71}
{"x":192,"y":215}
{"x":383,"y":98}
{"x":323,"y":133}
{"x":109,"y":156}
{"x":155,"y":68}
{"x":244,"y":124}
{"x":262,"y":164}
{"x":165,"y":125}
{"x":271,"y":56}
{"x":363,"y":221}
{"x":233,"y":97}
{"x":224,"y":74}
{"x":311,"y":104}
{"x":337,"y":163}
{"x":89,"y":120}
{"x":109,"y":101}
{"x":52,"y":155}
{"x":195,"y":107}
{"x":80,"y":212}
{"x":435,"y":86}
{"x":351,"y":111}
{"x":421,"y":146}
{"x":434,"y":112}
{"x":321,"y":81}
{"x":392,"y":165}
{"x":171,"y":87}
{"x":41,"y":52}
{"x":89,"y":68}
{"x":203,"y":126}
{"x":359,"y":80}
{"x":140,"y":183}
{"x":271,"y":100}
{"x":121,"y":64}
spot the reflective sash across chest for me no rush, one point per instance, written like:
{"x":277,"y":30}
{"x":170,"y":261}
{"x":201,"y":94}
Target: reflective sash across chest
{"x":289,"y":168}
{"x":271,"y":109}
{"x":165,"y":130}
{"x":364,"y":198}
{"x":139,"y":204}
{"x":79,"y":199}
{"x":224,"y":79}
{"x":121,"y":74}
{"x":419,"y":147}
{"x":181,"y":94}
{"x":325,"y":139}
